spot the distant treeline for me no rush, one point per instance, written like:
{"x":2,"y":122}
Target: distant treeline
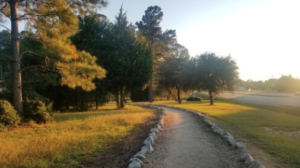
{"x":286,"y":83}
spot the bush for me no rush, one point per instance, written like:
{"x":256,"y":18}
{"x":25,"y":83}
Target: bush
{"x":8,"y":115}
{"x":37,"y":111}
{"x":194,"y":99}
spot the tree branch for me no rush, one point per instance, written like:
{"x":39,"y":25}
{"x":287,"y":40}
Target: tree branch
{"x":6,"y":2}
{"x":7,"y":57}
{"x":23,"y":17}
{"x":5,"y":27}
{"x":5,"y":14}
{"x":1,"y":10}
{"x":29,"y":52}
{"x":33,"y":81}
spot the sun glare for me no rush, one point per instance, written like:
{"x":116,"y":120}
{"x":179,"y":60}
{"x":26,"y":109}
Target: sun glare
{"x":262,"y":38}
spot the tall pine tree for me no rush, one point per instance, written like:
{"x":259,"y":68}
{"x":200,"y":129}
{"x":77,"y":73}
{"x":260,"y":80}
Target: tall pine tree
{"x":127,"y":62}
{"x":158,"y":41}
{"x":54,"y":21}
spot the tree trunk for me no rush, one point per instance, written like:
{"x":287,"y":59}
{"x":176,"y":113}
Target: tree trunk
{"x":122,"y":105}
{"x":150,"y":91}
{"x":211,"y":97}
{"x":117,"y":99}
{"x":17,"y":75}
{"x":77,"y":99}
{"x":96,"y":99}
{"x":178,"y":94}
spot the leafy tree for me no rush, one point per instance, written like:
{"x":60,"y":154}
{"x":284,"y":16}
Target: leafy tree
{"x":170,"y":70}
{"x":158,"y":41}
{"x":188,"y":79}
{"x":271,"y":84}
{"x":216,"y":74}
{"x":286,"y":83}
{"x":139,"y":95}
{"x":54,"y":21}
{"x":127,"y":62}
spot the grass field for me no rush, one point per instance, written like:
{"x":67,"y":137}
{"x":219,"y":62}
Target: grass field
{"x":91,"y":138}
{"x":276,"y":130}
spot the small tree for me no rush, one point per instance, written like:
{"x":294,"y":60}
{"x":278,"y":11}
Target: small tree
{"x":215,"y":74}
{"x":8,"y":115}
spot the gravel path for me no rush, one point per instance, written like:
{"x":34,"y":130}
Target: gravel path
{"x":188,"y":143}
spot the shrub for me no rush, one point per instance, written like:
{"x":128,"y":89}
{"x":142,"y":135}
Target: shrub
{"x":8,"y":115}
{"x":36,"y":110}
{"x":194,"y":99}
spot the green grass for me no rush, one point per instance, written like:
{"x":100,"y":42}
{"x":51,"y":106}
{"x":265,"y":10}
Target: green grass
{"x":273,"y":129}
{"x":74,"y":139}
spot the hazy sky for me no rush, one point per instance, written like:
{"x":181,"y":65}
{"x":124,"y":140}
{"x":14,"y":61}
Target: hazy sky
{"x":263,"y":36}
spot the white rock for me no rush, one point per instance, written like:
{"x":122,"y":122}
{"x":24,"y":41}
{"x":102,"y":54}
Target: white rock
{"x":159,"y":127}
{"x":153,"y":136}
{"x":144,"y":151}
{"x":218,"y":131}
{"x":213,"y":125}
{"x":229,"y":138}
{"x":201,"y":115}
{"x":241,"y":147}
{"x":135,"y":163}
{"x":154,"y":130}
{"x":256,"y":164}
{"x":161,"y":123}
{"x":149,"y":148}
{"x":227,"y":134}
{"x":208,"y":123}
{"x":149,"y":140}
{"x":161,"y":120}
{"x":140,"y":155}
{"x":247,"y":158}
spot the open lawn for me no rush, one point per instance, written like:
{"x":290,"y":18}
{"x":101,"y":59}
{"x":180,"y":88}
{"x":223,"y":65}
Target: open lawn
{"x":276,"y":130}
{"x":106,"y":137}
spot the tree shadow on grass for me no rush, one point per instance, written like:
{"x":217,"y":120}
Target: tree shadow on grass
{"x":118,"y":154}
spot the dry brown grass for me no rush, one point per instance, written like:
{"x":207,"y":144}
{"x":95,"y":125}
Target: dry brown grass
{"x":68,"y":143}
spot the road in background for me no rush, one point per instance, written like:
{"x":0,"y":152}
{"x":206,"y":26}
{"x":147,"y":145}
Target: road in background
{"x":265,"y":98}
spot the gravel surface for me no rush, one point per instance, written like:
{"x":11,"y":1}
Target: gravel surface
{"x":188,"y":143}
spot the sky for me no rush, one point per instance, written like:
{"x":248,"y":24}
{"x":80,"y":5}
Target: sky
{"x":262,"y":36}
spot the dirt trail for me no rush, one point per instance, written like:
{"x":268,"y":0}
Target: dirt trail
{"x":188,"y":143}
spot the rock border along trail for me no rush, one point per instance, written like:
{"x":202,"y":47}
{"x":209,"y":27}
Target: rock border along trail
{"x":187,"y":142}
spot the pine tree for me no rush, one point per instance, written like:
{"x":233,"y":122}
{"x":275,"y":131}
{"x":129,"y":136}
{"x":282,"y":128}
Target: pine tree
{"x":128,"y":63}
{"x":157,"y":40}
{"x":54,"y":22}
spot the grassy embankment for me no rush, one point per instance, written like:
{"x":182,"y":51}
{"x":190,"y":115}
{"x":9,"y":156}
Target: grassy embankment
{"x":276,"y":130}
{"x":104,"y":138}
